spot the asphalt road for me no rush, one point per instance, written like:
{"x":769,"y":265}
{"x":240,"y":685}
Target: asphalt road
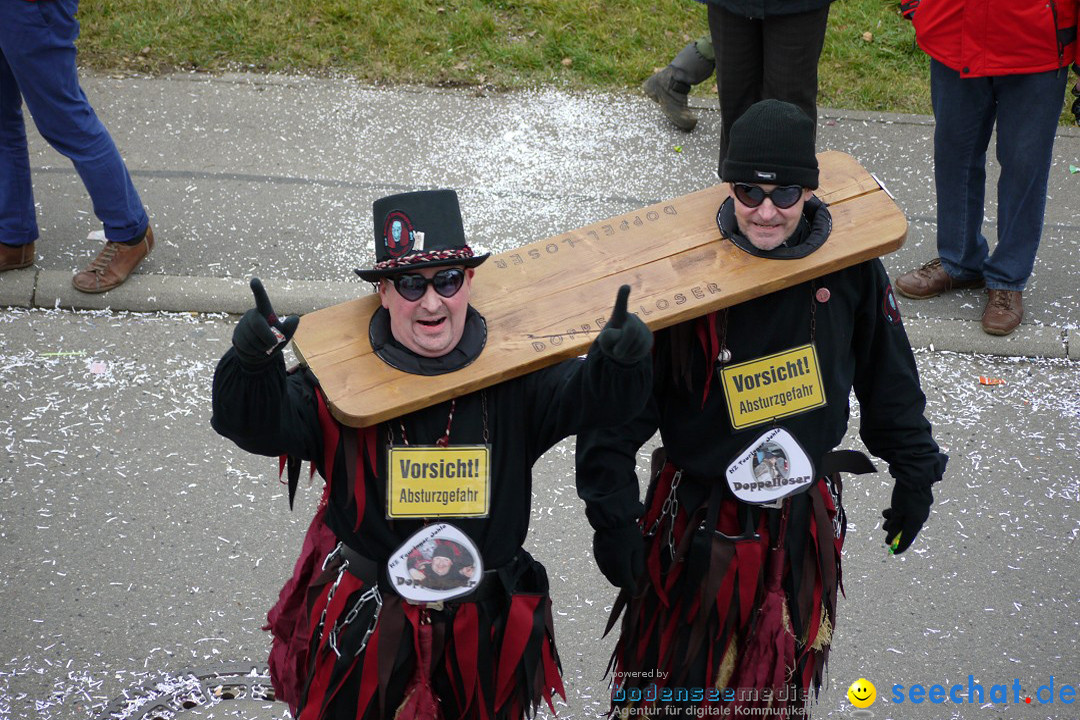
{"x":137,"y":544}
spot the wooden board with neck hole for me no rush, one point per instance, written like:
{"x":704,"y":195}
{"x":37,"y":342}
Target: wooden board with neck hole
{"x":546,"y":301}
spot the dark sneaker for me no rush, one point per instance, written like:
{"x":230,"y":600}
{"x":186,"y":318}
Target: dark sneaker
{"x":1004,"y":311}
{"x":113,"y":265}
{"x":670,"y":94}
{"x":931,"y":280}
{"x":13,"y":257}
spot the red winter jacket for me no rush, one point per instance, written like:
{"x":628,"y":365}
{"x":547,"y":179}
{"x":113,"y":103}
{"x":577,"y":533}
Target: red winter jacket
{"x":981,"y":38}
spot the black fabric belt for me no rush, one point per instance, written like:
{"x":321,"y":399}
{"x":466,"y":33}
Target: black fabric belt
{"x":849,"y":461}
{"x":361,"y":567}
{"x":370,"y":573}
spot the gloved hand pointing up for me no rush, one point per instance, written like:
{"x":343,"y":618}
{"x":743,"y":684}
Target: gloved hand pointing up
{"x":260,"y":335}
{"x":625,"y":338}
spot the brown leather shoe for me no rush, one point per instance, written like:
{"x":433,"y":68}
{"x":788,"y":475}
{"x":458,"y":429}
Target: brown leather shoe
{"x":113,"y":265}
{"x":13,"y":257}
{"x":931,"y":280}
{"x":1004,"y":311}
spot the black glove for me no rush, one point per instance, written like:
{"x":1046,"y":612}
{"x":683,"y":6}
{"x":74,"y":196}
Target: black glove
{"x":910,"y":508}
{"x":907,"y":8}
{"x":620,"y":554}
{"x":625,"y":338}
{"x":260,"y":334}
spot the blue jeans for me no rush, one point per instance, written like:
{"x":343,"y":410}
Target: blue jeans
{"x":37,"y":64}
{"x":1026,"y":109}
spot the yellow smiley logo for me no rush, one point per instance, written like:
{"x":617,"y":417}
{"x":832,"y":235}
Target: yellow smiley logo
{"x":862,"y":693}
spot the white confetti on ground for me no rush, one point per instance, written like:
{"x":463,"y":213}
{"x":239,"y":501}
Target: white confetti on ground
{"x":137,"y":544}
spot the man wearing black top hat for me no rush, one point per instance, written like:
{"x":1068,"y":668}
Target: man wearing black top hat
{"x":355,"y":635}
{"x":732,"y":611}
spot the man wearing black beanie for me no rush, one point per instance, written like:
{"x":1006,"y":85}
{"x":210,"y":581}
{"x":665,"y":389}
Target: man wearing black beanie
{"x":733,"y":610}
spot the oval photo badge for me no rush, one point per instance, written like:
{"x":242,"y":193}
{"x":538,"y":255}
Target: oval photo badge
{"x":439,"y":562}
{"x":771,"y":468}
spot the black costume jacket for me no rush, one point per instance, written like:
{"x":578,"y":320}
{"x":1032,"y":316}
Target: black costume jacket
{"x":479,"y":666}
{"x":269,"y":412}
{"x":861,"y":345}
{"x":852,"y":318}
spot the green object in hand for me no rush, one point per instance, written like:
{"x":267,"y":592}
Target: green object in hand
{"x":895,"y":543}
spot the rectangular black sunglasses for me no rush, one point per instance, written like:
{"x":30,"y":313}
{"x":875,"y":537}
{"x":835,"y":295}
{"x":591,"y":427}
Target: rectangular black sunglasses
{"x":412,"y":286}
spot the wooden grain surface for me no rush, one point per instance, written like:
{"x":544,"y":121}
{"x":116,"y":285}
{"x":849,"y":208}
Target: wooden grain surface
{"x":546,"y":301}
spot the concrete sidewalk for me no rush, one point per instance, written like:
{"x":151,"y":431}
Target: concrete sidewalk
{"x":274,"y":176}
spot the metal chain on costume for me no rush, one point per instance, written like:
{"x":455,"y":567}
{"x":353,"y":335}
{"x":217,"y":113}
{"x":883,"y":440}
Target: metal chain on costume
{"x":333,"y":554}
{"x":333,"y":588}
{"x":670,"y":507}
{"x":483,"y":404}
{"x":724,"y":355}
{"x":835,"y":487}
{"x":371,"y":594}
{"x":444,"y":441}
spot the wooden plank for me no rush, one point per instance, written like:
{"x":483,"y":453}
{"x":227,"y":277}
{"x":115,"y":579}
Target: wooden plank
{"x":541,"y":268}
{"x":546,"y":301}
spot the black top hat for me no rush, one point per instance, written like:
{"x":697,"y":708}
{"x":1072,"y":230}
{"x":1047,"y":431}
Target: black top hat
{"x":418,"y":229}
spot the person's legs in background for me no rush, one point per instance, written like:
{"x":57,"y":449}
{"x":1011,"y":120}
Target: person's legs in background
{"x":669,"y":87}
{"x":1027,"y":117}
{"x":39,"y":46}
{"x":964,"y":114}
{"x":771,"y":59}
{"x":18,"y":223}
{"x":1028,"y":108}
{"x":737,"y":42}
{"x":792,"y":50}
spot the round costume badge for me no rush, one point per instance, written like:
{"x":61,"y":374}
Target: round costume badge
{"x":397,"y":234}
{"x":439,"y":562}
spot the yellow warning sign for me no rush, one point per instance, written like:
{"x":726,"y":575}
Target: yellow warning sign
{"x":432,"y":482}
{"x":787,"y":383}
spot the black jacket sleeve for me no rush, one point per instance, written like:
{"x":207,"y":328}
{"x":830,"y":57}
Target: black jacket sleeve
{"x":606,"y":469}
{"x":579,"y":394}
{"x":265,"y":410}
{"x":891,"y":401}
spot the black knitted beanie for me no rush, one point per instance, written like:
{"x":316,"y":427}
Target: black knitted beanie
{"x":772,"y":143}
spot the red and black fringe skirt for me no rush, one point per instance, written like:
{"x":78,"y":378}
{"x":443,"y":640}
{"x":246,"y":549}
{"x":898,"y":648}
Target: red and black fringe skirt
{"x":691,"y":633}
{"x":491,"y":659}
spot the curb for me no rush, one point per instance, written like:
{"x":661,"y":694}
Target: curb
{"x":171,"y":293}
{"x":967,"y":336}
{"x":32,"y":288}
